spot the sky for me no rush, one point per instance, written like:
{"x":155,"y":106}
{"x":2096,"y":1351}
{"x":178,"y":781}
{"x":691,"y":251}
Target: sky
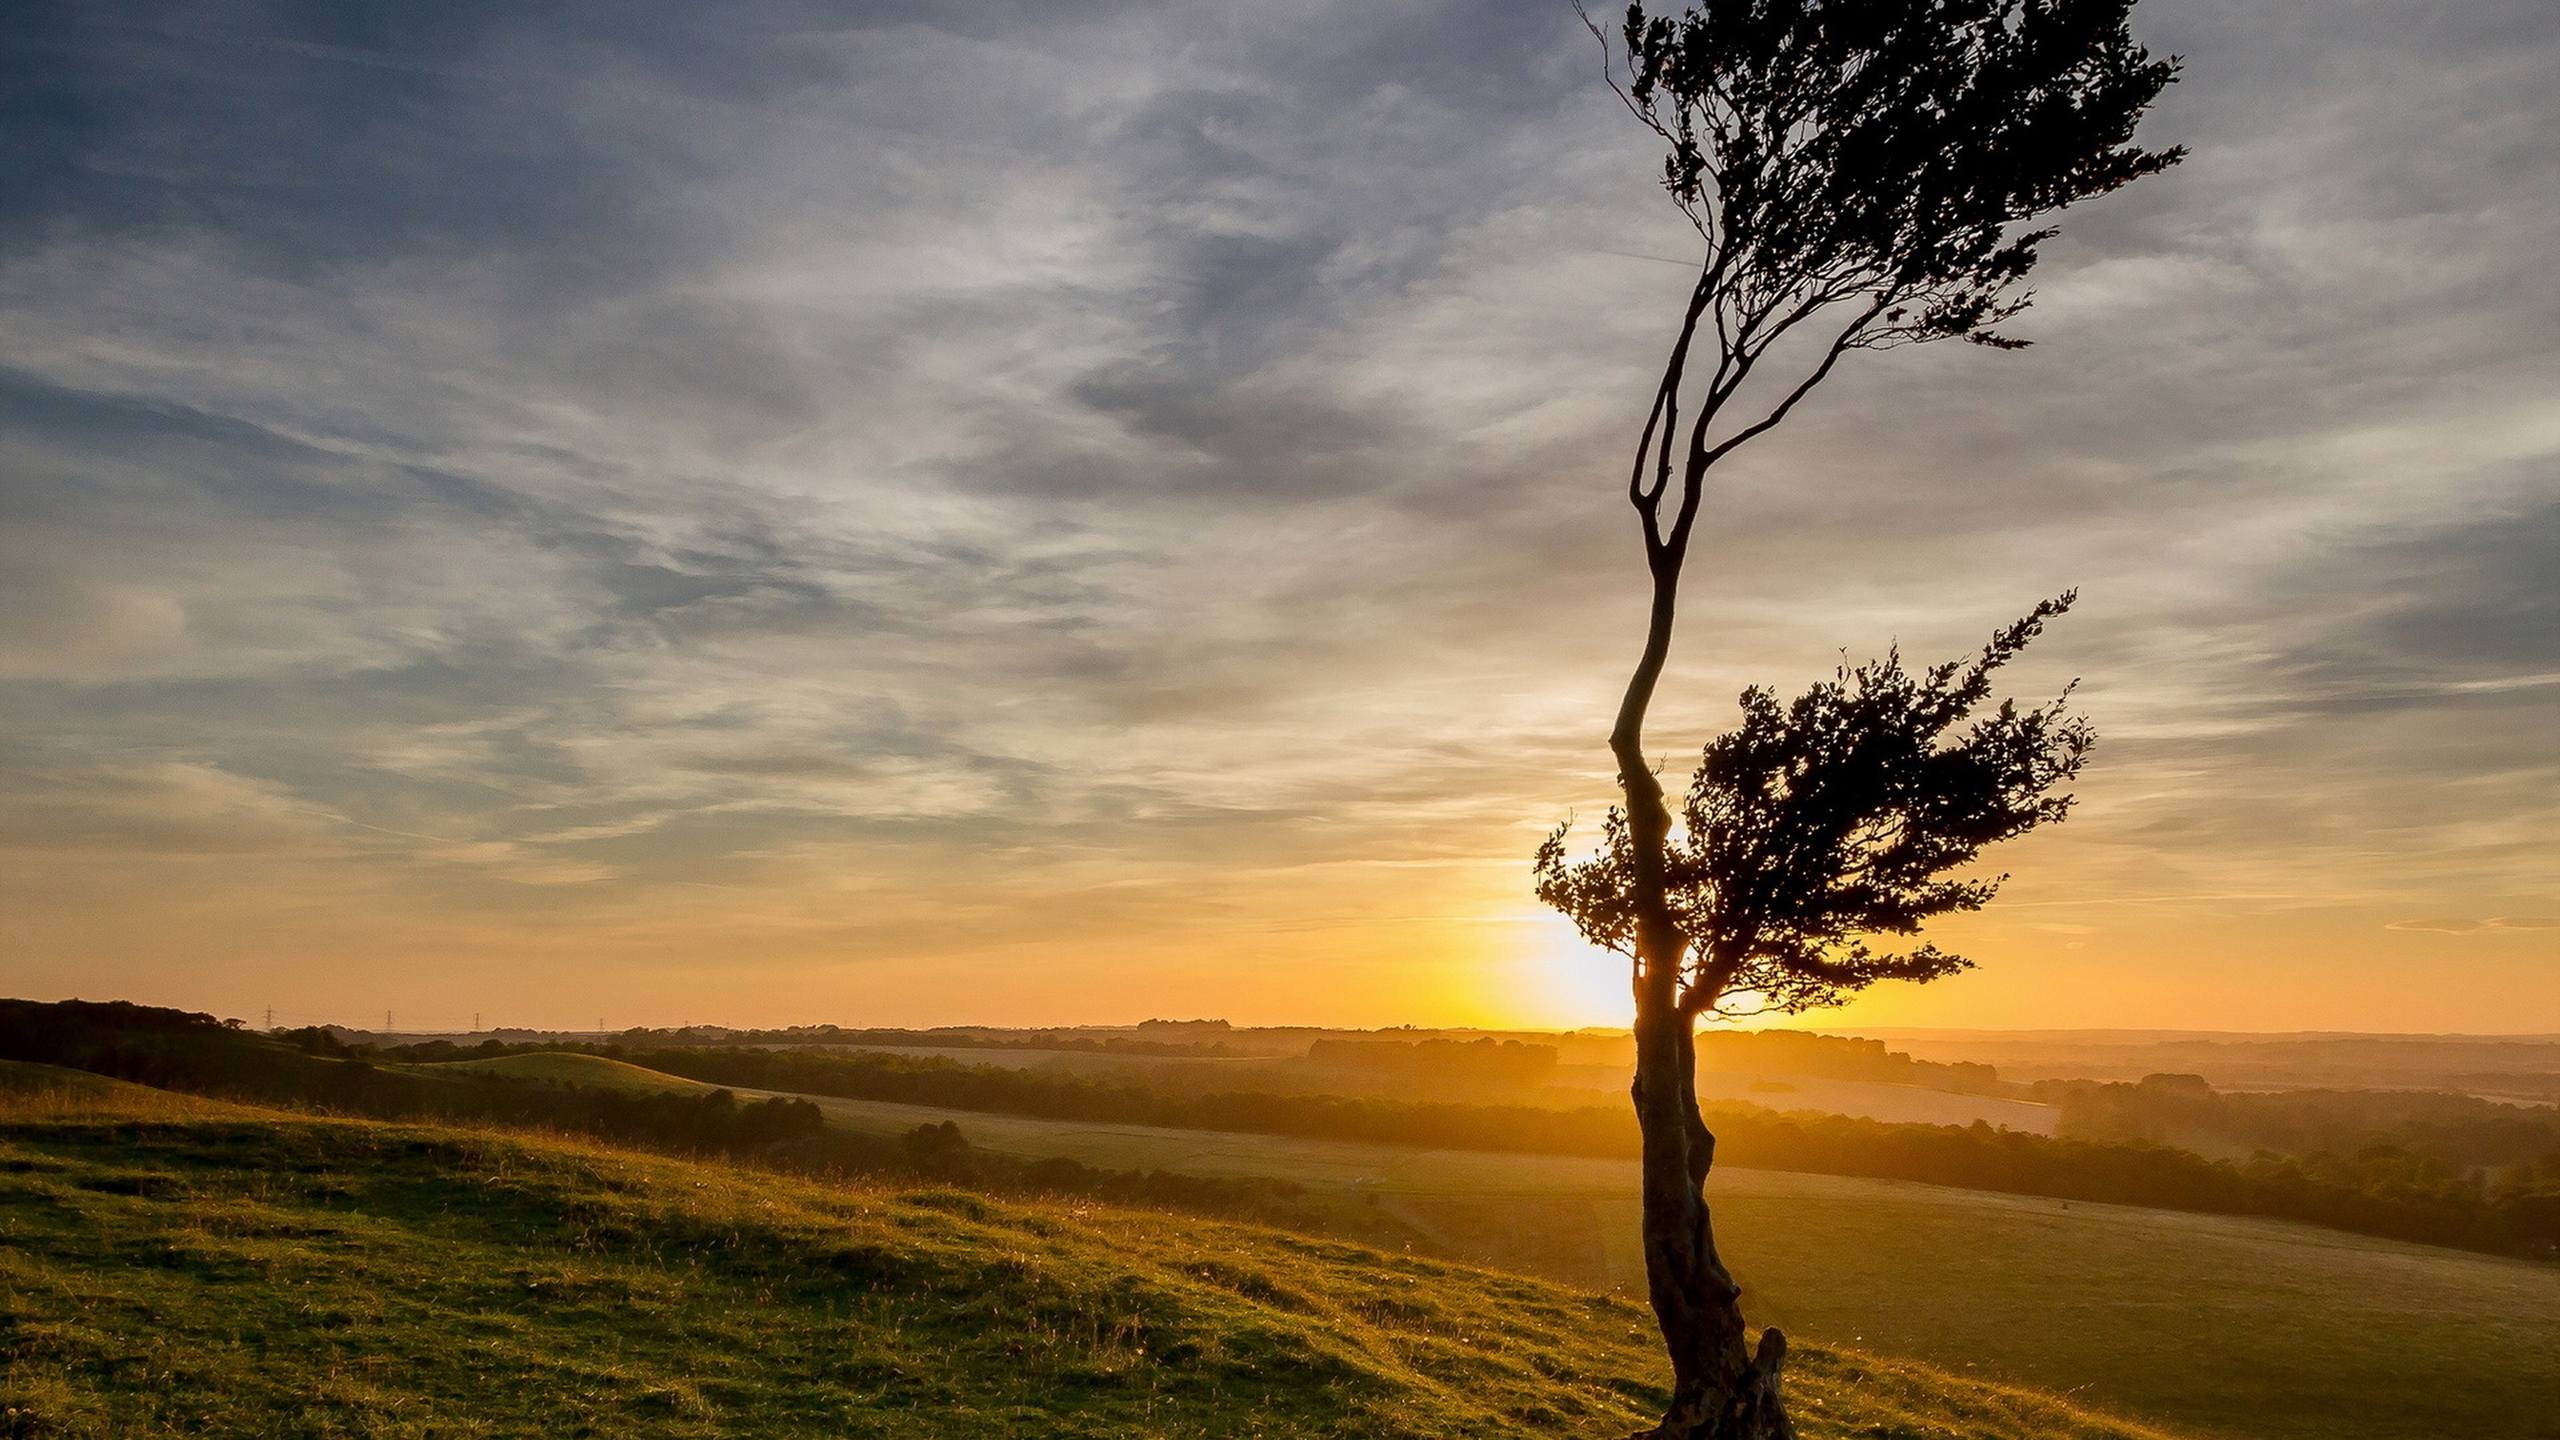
{"x":1074,"y":511}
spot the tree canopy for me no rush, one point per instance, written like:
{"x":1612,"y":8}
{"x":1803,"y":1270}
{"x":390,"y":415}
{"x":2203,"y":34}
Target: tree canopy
{"x":1823,"y":823}
{"x":1883,"y":150}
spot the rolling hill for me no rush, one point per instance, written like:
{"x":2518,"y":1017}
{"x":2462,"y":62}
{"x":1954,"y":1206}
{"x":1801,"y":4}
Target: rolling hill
{"x":2242,"y":1328}
{"x":570,"y":1068}
{"x":2226,"y":1325}
{"x":227,"y":1272}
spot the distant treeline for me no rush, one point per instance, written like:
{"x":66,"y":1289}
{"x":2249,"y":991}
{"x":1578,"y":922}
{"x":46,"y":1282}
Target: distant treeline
{"x":2462,"y":1132}
{"x":2375,"y":1190}
{"x":957,"y":1038}
{"x":177,"y":1050}
{"x":1837,"y":1057}
{"x":312,"y":1069}
{"x":1486,"y":1061}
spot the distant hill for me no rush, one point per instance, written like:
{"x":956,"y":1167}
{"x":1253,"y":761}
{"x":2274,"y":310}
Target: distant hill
{"x":2501,"y":1067}
{"x":568,"y":1068}
{"x":228,"y":1276}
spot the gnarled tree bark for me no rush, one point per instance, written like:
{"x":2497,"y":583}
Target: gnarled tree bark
{"x":1722,"y":1388}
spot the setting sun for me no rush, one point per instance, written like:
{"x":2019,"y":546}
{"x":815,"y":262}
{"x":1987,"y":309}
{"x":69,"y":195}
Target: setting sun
{"x":1566,"y":982}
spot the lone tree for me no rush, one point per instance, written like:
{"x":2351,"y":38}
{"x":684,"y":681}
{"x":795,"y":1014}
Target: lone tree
{"x":1864,"y":174}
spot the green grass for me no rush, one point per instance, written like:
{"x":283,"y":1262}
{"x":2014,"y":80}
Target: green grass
{"x":2255,"y":1329}
{"x":569,"y":1068}
{"x":47,"y":1092}
{"x":249,"y":1274}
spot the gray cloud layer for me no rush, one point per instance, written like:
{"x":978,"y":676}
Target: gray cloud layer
{"x":484,"y":468}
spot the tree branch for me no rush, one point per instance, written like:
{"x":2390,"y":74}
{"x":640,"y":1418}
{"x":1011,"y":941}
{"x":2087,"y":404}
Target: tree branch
{"x":1839,"y":345}
{"x":1665,"y":415}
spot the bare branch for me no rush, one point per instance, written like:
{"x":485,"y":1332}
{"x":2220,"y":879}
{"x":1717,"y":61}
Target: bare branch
{"x":1666,"y":415}
{"x":1840,"y":345}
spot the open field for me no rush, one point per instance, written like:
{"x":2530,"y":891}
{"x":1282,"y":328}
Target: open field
{"x":2229,"y":1326}
{"x":1866,"y":1099}
{"x":1869,"y":1100}
{"x":291,"y":1276}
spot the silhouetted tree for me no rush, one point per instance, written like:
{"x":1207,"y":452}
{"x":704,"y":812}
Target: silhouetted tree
{"x":1863,"y":174}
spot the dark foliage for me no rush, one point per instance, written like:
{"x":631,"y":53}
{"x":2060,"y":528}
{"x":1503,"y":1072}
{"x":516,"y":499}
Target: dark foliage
{"x":1485,"y":1061}
{"x":957,"y":1037}
{"x":176,"y":1050}
{"x":1842,"y":1057}
{"x":1883,"y":151}
{"x":2462,"y":1133}
{"x":315,"y":1040}
{"x":1838,"y":817}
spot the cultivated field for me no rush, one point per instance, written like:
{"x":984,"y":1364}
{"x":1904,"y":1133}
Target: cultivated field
{"x":2227,"y":1326}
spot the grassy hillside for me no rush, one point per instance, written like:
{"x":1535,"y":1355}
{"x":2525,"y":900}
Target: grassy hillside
{"x":49,"y":1092}
{"x":232,"y":1274}
{"x":2231,"y":1326}
{"x":568,"y":1068}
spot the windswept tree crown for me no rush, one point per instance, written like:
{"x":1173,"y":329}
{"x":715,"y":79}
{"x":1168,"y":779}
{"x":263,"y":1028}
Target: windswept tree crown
{"x":1821,"y":824}
{"x":1882,"y":151}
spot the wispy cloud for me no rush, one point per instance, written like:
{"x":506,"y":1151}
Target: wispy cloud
{"x":2468,"y":927}
{"x":862,"y":499}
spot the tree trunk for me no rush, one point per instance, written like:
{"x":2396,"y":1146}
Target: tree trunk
{"x":1721,"y":1388}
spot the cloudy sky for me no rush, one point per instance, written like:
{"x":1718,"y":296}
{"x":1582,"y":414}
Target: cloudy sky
{"x":1078,"y":510}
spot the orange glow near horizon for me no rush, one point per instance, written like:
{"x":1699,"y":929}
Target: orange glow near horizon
{"x":1375,"y":946}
